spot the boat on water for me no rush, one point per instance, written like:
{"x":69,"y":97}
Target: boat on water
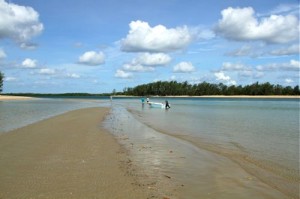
{"x":156,"y":105}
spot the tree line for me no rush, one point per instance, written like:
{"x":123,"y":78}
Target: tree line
{"x":174,"y":88}
{"x":1,"y":81}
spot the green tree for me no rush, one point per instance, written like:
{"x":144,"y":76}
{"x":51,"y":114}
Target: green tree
{"x":1,"y":81}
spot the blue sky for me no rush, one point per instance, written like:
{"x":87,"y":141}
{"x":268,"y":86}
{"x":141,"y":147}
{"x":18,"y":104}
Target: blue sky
{"x":96,"y":46}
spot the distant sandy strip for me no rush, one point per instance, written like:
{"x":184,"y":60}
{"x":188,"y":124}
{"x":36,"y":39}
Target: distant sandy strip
{"x":67,"y":156}
{"x":9,"y":97}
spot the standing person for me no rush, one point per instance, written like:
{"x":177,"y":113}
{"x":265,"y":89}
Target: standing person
{"x":143,"y":100}
{"x":167,"y":105}
{"x":148,"y":100}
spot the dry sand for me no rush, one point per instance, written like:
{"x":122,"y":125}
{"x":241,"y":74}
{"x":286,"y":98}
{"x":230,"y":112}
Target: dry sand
{"x":67,"y":156}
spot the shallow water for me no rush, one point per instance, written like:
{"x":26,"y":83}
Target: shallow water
{"x":16,"y":114}
{"x":207,"y":148}
{"x":261,"y":137}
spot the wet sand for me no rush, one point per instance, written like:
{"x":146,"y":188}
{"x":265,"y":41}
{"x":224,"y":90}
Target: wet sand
{"x":67,"y":156}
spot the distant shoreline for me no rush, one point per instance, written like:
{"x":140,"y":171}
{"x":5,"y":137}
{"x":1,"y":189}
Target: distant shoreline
{"x":222,"y":96}
{"x":13,"y":97}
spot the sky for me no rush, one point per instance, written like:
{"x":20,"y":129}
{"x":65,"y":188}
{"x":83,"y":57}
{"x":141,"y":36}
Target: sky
{"x":97,"y":46}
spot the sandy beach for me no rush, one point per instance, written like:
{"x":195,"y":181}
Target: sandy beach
{"x":67,"y":156}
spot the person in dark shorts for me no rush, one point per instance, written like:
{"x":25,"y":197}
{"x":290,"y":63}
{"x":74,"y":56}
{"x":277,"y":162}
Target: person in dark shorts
{"x":167,"y":105}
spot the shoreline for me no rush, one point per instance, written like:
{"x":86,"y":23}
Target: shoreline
{"x":67,"y":156}
{"x":221,"y":96}
{"x":11,"y":97}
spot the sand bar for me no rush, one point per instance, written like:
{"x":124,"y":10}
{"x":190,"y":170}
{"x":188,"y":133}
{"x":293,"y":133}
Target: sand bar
{"x":10,"y":97}
{"x":67,"y":156}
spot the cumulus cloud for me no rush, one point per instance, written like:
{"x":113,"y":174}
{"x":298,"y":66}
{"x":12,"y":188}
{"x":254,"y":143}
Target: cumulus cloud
{"x":29,"y":63}
{"x":144,"y":38}
{"x":2,"y":54}
{"x":146,"y":62}
{"x":184,"y":67}
{"x":92,"y":58}
{"x":122,"y":74}
{"x":19,"y":23}
{"x":240,"y":24}
{"x":220,"y":76}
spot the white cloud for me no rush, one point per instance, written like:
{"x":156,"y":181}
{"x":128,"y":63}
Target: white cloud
{"x":143,"y":38}
{"x":184,"y":67}
{"x":227,"y":66}
{"x":284,"y":9}
{"x":136,"y":67}
{"x":240,"y":24}
{"x":293,"y":65}
{"x":2,"y":54}
{"x":122,"y":74}
{"x":10,"y":79}
{"x":47,"y":71}
{"x":19,"y":23}
{"x":29,"y":63}
{"x":291,"y":50}
{"x":92,"y":58}
{"x":153,"y":59}
{"x":146,"y":62}
{"x":243,"y":51}
{"x":220,"y":76}
{"x":288,"y":81}
{"x":73,"y":75}
{"x":28,"y":45}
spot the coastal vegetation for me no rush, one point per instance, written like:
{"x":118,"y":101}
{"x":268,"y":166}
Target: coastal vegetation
{"x":1,"y":81}
{"x":174,"y":88}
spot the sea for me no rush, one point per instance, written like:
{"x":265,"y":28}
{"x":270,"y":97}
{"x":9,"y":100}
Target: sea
{"x":200,"y":147}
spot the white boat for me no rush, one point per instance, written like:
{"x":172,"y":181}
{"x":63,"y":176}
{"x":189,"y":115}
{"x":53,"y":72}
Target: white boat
{"x":156,"y":105}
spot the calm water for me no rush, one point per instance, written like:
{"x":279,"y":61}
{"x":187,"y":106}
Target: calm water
{"x":212,"y":148}
{"x":260,"y":135}
{"x":15,"y":114}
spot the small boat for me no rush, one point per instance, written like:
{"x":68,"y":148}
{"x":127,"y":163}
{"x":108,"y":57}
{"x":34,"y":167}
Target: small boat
{"x":156,"y":105}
